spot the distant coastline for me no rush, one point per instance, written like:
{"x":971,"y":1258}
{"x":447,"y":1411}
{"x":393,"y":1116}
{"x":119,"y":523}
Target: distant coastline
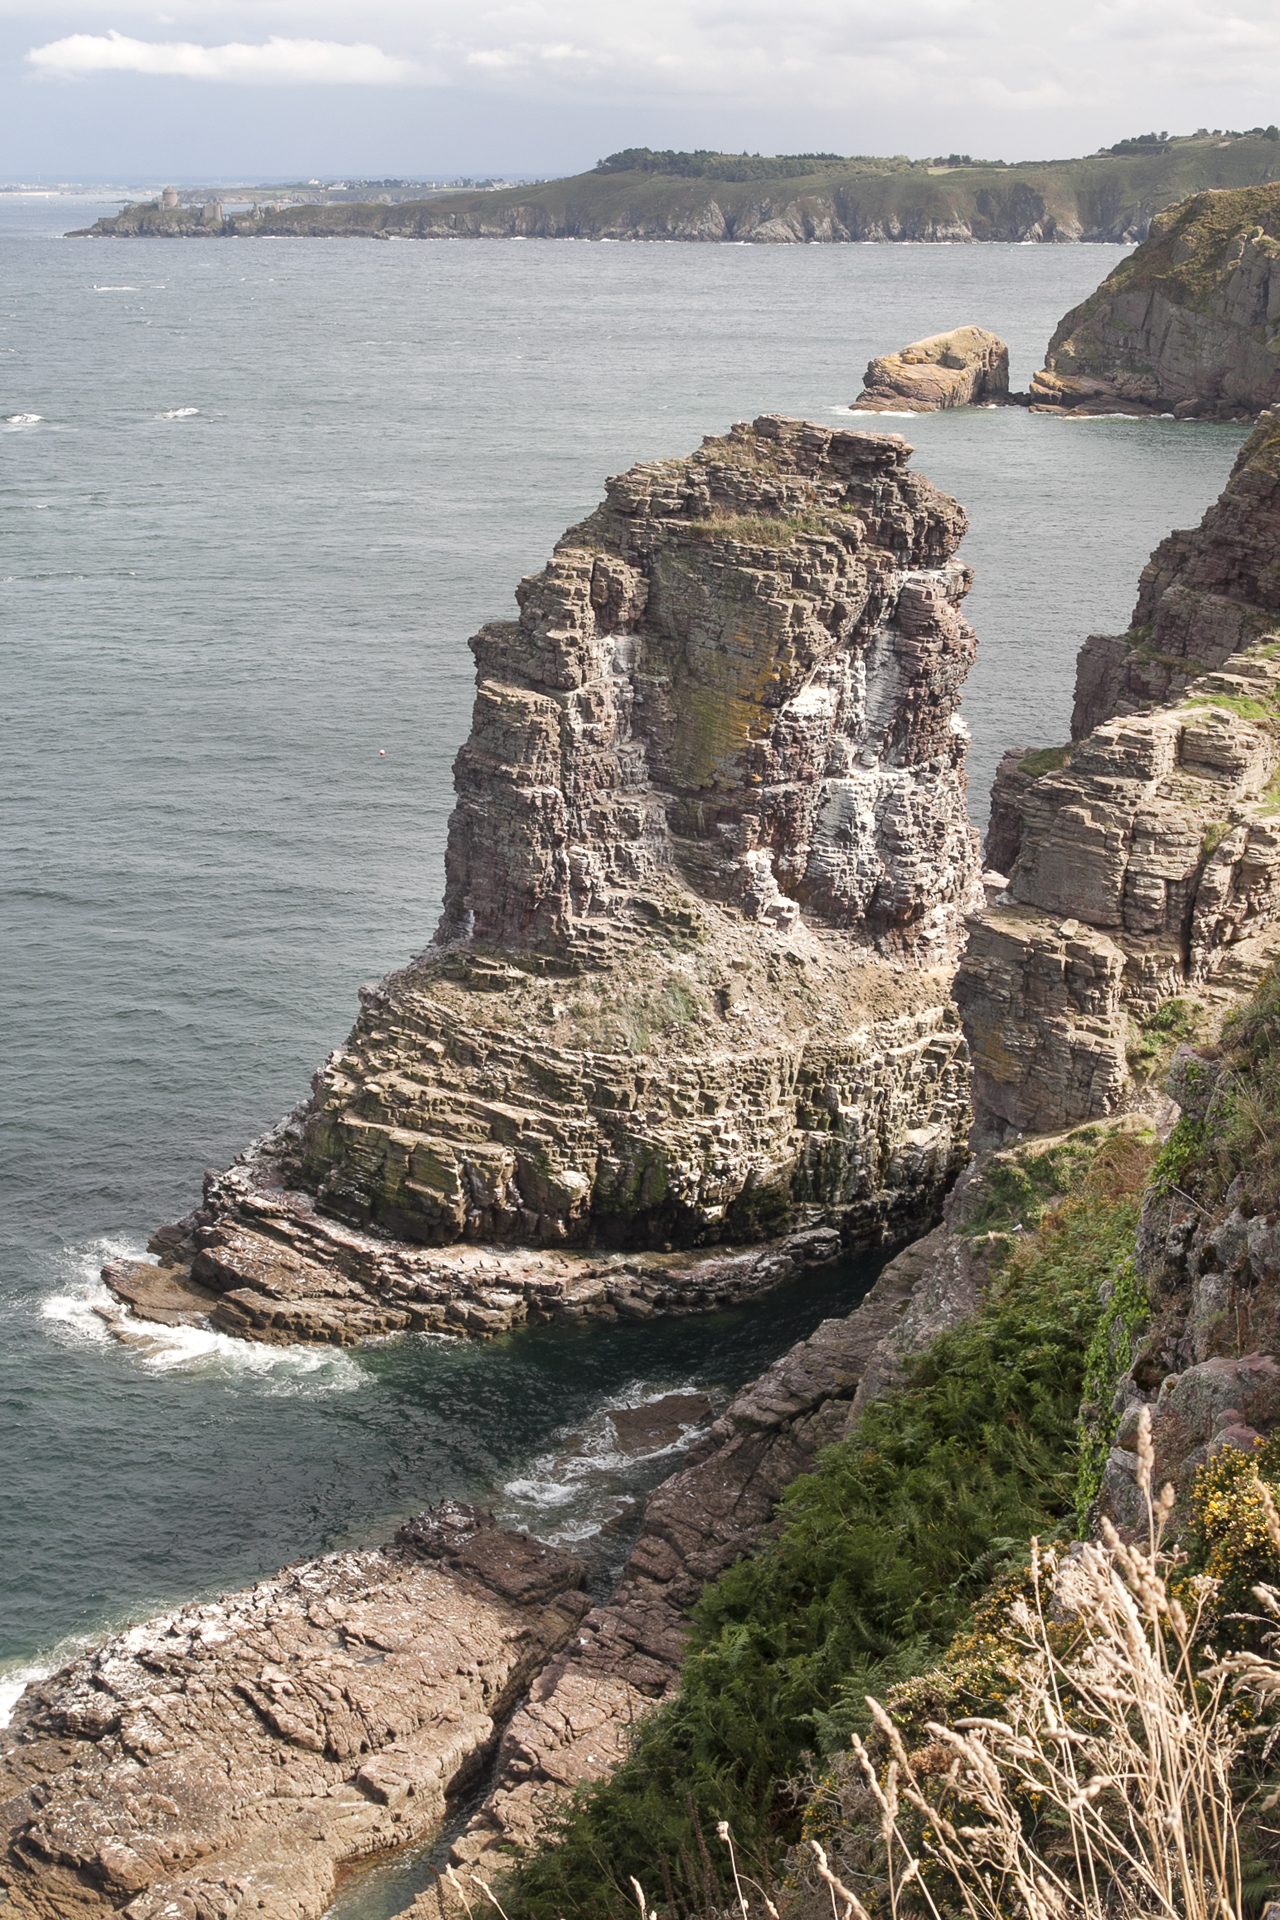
{"x":1107,"y":198}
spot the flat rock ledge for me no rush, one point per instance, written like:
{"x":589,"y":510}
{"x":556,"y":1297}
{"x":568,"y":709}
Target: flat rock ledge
{"x":231,"y":1757}
{"x":266,"y":1264}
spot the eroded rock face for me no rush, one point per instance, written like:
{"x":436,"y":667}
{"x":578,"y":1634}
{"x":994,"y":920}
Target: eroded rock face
{"x":1185,"y":325}
{"x":705,"y":882}
{"x":229,"y":1757}
{"x":957,"y":369}
{"x":1145,"y":864}
{"x":1204,"y":595}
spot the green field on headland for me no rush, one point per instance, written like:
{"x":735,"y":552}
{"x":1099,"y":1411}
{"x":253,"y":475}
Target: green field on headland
{"x":643,"y":195}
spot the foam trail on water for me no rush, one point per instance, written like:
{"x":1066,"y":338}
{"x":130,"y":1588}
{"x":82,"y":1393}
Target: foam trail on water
{"x":86,"y":1311}
{"x":178,"y":413}
{"x":572,"y":1489}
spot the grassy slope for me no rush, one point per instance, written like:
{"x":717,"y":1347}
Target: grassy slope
{"x":1093,"y":190}
{"x":1186,"y":255}
{"x":883,"y":1552}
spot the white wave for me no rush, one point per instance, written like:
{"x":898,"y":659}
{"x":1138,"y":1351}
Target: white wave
{"x":587,"y":1479}
{"x":14,"y":1681}
{"x":98,"y":289}
{"x":23,"y":419}
{"x":178,"y":413}
{"x":86,"y":1311}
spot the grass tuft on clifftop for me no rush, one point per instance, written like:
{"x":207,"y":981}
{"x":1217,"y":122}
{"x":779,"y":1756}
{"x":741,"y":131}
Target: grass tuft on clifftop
{"x":883,"y":1551}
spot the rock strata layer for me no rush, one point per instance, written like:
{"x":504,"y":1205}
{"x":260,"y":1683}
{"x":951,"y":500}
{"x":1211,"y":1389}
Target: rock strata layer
{"x":1143,"y":860}
{"x":228,"y":1758}
{"x":1189,"y":324}
{"x":705,"y":881}
{"x":963,"y":368}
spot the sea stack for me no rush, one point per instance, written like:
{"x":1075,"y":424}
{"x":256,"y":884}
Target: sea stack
{"x":964,"y":368}
{"x":706,"y":882}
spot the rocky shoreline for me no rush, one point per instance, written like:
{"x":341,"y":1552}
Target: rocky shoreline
{"x":518,"y":1130}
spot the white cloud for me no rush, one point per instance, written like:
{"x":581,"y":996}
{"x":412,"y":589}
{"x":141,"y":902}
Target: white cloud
{"x":276,"y":62}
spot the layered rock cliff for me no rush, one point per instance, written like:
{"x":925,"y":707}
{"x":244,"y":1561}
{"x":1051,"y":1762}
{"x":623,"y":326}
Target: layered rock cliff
{"x":705,"y":882}
{"x":1189,"y":324}
{"x":1142,"y":861}
{"x":1203,"y":596}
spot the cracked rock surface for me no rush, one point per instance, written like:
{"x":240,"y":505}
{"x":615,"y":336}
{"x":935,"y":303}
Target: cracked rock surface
{"x":229,"y":1757}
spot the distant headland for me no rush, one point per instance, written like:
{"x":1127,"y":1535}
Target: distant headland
{"x":784,"y":199}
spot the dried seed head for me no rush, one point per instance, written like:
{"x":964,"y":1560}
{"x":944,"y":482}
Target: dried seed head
{"x":1146,"y":1451}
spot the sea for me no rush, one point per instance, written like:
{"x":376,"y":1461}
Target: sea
{"x":254,"y":497}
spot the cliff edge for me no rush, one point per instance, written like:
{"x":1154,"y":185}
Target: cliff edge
{"x":1189,"y":324}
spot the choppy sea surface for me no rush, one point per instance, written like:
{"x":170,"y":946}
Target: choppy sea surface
{"x":254,"y":496}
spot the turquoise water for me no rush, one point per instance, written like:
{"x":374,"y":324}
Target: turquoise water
{"x":268,"y":490}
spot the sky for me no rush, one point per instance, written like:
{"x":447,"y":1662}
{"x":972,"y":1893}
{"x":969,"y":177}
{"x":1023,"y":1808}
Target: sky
{"x":211,"y":90}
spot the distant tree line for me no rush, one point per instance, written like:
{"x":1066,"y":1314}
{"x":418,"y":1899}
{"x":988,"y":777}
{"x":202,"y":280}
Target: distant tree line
{"x":706,"y":164}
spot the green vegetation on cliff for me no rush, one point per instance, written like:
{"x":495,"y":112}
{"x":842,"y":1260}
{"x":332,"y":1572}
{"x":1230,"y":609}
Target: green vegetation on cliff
{"x":883,"y":1552}
{"x":642,"y":194}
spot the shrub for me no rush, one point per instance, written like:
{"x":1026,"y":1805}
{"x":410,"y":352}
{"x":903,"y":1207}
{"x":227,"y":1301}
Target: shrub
{"x":882,"y":1552}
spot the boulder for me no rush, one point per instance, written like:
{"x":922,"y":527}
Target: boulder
{"x":964,"y":368}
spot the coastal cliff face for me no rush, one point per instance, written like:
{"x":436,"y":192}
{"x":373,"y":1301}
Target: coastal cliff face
{"x":1204,"y":595}
{"x":1143,"y":860}
{"x":705,"y":883}
{"x":714,"y":778}
{"x":1189,"y":324}
{"x":817,"y":199}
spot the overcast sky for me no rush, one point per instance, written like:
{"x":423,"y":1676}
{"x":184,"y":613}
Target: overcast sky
{"x":111,"y":89}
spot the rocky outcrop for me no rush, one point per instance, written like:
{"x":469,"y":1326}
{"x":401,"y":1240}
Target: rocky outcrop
{"x":705,"y":881}
{"x":1189,"y":324}
{"x":1203,"y":596}
{"x":1145,"y":865}
{"x":1140,"y":860}
{"x":229,"y":1757}
{"x":963,"y":368}
{"x":574,"y":1727}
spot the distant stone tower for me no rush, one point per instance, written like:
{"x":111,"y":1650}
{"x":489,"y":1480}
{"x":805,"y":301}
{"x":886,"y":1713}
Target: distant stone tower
{"x":169,"y":198}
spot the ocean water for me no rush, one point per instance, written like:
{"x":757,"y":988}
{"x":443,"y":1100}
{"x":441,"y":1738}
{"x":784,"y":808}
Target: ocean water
{"x":254,"y":496}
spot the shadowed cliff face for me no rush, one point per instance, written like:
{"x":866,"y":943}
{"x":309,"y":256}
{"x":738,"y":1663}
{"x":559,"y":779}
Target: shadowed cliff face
{"x":710,"y":845}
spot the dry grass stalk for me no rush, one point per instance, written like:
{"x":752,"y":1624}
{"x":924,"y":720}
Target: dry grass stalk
{"x":1124,"y":1742}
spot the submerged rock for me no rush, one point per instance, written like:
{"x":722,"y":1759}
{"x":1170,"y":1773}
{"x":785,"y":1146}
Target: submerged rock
{"x":962,"y":368}
{"x":705,"y":883}
{"x":1188,"y":324}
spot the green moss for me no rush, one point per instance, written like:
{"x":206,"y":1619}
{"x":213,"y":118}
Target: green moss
{"x":1153,"y":1039}
{"x":758,"y":529}
{"x":1044,"y":760}
{"x":1017,"y":1187}
{"x":1180,"y":1155}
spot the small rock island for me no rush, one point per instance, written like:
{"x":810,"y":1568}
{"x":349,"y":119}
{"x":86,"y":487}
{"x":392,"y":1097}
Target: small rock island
{"x":964,"y":368}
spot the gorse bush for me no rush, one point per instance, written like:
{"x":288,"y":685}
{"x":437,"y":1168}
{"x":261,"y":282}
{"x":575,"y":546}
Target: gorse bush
{"x":883,"y":1550}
